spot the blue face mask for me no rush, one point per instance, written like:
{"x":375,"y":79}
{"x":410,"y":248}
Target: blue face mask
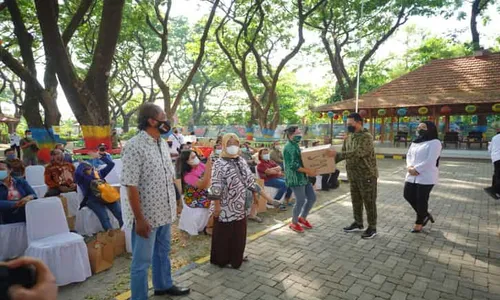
{"x":3,"y":174}
{"x":11,"y":156}
{"x":297,"y":138}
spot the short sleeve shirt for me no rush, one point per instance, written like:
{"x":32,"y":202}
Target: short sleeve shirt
{"x":148,"y":166}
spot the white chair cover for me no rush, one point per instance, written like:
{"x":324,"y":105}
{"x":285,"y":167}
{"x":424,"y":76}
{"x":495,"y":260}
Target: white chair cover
{"x":128,"y":239}
{"x":13,"y":240}
{"x":40,"y":190}
{"x":193,"y":220}
{"x":35,"y":175}
{"x":87,"y":223}
{"x":49,"y":240}
{"x":269,"y":190}
{"x":319,"y":184}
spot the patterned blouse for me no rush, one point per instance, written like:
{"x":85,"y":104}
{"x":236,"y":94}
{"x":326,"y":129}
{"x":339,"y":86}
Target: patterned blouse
{"x":147,"y":165}
{"x":293,"y":161}
{"x":225,"y":178}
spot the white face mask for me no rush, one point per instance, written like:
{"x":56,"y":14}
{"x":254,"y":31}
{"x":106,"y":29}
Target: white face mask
{"x":218,"y":151}
{"x":194,"y":162}
{"x":233,"y":150}
{"x":266,"y":156}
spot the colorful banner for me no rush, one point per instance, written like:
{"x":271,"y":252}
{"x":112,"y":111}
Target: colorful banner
{"x":95,"y":135}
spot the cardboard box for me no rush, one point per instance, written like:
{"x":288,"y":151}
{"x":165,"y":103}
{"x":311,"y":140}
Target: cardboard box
{"x":316,"y":158}
{"x":101,"y":252}
{"x":262,"y":207}
{"x":118,"y":242}
{"x":71,"y":222}
{"x":64,"y":202}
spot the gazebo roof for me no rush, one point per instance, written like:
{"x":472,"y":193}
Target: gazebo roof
{"x":463,"y":80}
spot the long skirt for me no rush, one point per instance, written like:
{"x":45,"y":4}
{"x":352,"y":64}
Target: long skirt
{"x":228,"y":243}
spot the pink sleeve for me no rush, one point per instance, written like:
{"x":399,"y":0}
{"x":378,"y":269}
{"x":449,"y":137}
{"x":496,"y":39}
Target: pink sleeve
{"x":191,"y":179}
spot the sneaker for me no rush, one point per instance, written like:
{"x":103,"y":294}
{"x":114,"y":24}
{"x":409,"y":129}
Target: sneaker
{"x":305,"y":223}
{"x":296,"y":228}
{"x":353,"y":227}
{"x":369,"y":233}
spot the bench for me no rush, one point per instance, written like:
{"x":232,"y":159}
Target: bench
{"x":475,"y":137}
{"x":400,"y":137}
{"x":451,"y":138}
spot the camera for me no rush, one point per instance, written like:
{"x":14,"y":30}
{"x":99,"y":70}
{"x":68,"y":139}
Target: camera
{"x":24,"y":276}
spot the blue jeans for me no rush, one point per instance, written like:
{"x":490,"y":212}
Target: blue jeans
{"x":279,"y":183}
{"x":99,"y":208}
{"x":304,"y":201}
{"x":155,"y":250}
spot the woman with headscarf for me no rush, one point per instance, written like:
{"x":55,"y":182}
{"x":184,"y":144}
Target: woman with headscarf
{"x":232,"y":182}
{"x":422,"y":163}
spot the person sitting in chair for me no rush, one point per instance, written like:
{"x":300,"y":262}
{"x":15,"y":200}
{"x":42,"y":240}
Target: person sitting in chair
{"x":59,"y":175}
{"x":14,"y":194}
{"x":84,"y":176}
{"x":15,"y":163}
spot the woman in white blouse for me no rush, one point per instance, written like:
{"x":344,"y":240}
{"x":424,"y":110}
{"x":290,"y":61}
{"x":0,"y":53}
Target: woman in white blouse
{"x":422,"y":163}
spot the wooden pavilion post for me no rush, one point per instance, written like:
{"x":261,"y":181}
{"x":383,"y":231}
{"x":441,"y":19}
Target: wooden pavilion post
{"x":391,"y":134}
{"x":382,"y":129}
{"x":331,"y":130}
{"x":371,"y":122}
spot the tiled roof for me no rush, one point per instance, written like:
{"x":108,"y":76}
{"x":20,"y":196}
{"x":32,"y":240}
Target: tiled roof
{"x":462,"y":80}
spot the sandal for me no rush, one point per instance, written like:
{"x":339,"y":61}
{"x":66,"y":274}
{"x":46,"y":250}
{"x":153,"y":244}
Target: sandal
{"x":245,"y":258}
{"x":255,"y":219}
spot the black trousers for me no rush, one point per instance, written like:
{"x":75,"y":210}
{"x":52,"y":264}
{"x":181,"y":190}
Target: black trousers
{"x":330,"y":181}
{"x":418,"y":197}
{"x":496,"y":178}
{"x":18,"y":150}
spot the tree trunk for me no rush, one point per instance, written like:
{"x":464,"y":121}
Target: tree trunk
{"x":473,"y":25}
{"x":126,"y":123}
{"x":89,"y":98}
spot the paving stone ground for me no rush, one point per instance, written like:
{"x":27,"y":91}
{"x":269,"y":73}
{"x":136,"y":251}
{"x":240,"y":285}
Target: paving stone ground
{"x":457,"y":258}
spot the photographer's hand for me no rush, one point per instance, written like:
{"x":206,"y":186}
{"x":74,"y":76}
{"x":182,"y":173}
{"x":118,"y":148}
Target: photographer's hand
{"x":45,"y":287}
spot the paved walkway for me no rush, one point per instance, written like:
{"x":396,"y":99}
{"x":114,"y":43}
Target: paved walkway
{"x":457,"y":258}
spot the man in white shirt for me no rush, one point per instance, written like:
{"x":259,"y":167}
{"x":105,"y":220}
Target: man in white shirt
{"x":494,"y":150}
{"x":177,"y":140}
{"x":148,"y":175}
{"x":15,"y":143}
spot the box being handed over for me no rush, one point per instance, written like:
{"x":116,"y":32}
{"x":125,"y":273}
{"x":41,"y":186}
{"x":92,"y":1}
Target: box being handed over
{"x":316,"y":158}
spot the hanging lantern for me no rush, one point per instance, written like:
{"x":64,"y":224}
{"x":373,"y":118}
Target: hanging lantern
{"x":330,"y":114}
{"x":363,"y":113}
{"x":474,"y":119}
{"x":423,"y":110}
{"x":382,"y":112}
{"x":344,"y":118}
{"x":320,"y":115}
{"x":406,"y":119}
{"x":402,"y":112}
{"x":346,"y":113}
{"x":394,"y":119}
{"x":496,"y":107}
{"x":335,"y":117}
{"x":367,"y":120}
{"x":470,"y":109}
{"x":445,"y":110}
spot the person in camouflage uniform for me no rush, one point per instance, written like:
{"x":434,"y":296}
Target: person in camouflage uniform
{"x":361,"y":166}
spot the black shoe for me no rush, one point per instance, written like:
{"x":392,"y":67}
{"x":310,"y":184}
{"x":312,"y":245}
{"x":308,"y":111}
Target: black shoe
{"x":354,"y":227}
{"x":369,"y":233}
{"x":325,"y":189}
{"x":173,"y":291}
{"x":427,"y":219}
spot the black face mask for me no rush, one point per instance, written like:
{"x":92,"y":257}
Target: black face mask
{"x":102,"y":149}
{"x":351,"y":128}
{"x":422,"y":132}
{"x":163,"y":126}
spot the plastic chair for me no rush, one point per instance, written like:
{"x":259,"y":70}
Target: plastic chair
{"x":14,"y":240}
{"x":49,"y":240}
{"x":35,"y":178}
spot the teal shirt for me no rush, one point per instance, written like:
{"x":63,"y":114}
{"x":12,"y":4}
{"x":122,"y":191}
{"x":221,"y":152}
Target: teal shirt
{"x":293,"y":161}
